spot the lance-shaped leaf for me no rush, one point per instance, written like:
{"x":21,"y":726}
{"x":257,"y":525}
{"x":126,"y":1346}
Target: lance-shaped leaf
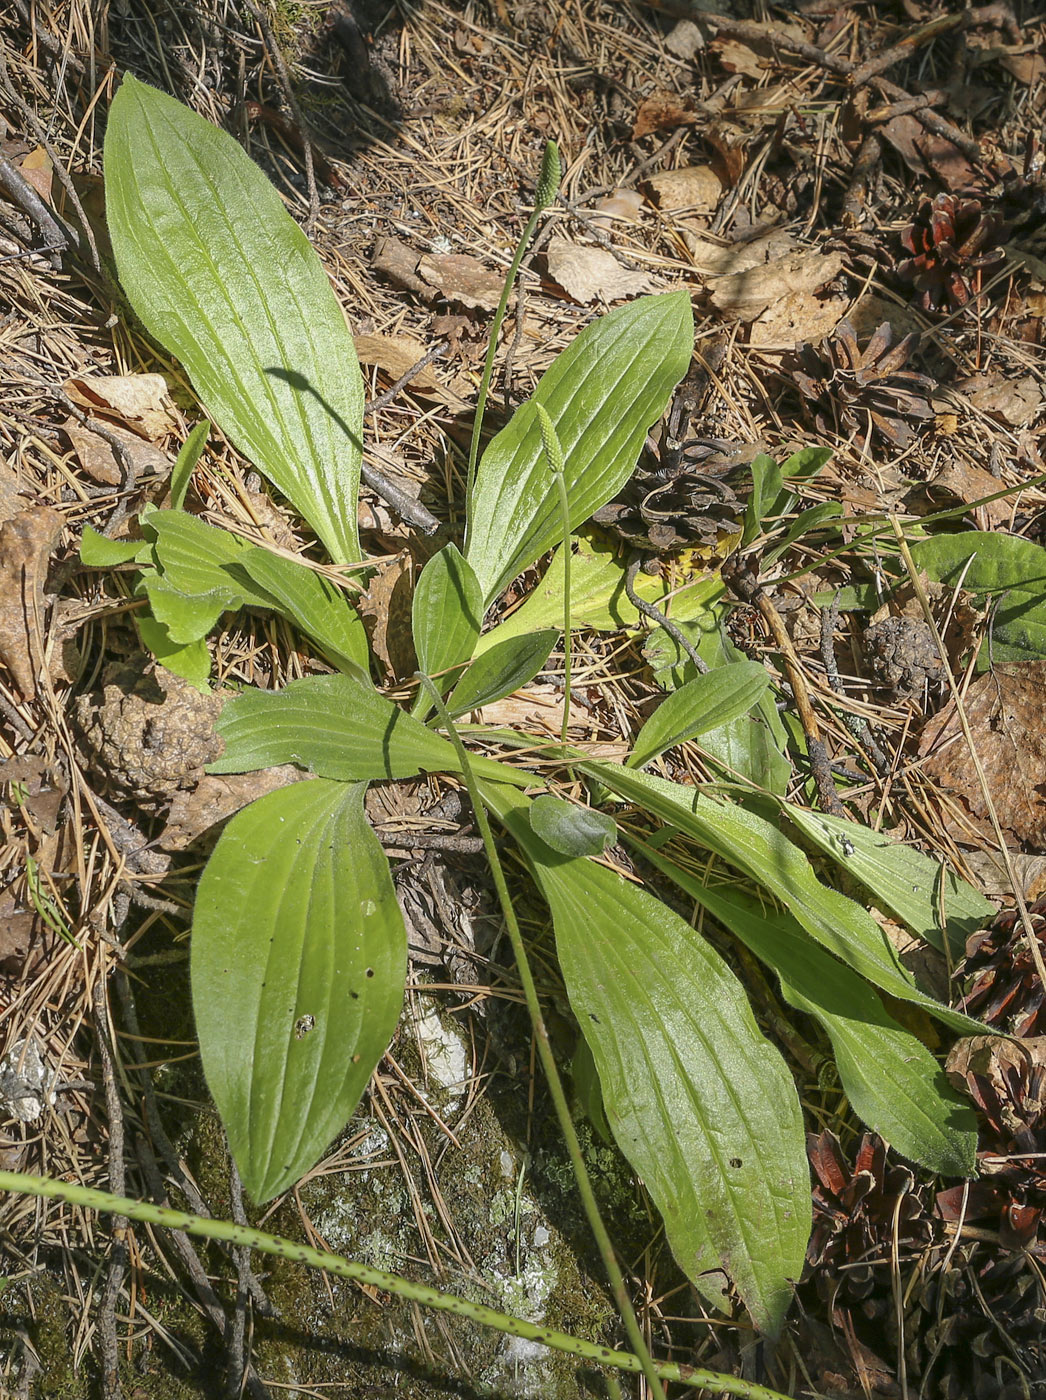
{"x":299,"y":956}
{"x":893,"y":1082}
{"x":700,"y":1103}
{"x":705,"y":703}
{"x":502,"y":670}
{"x":337,"y":728}
{"x":223,"y":277}
{"x":756,"y":846}
{"x":602,"y":394}
{"x":447,"y":612}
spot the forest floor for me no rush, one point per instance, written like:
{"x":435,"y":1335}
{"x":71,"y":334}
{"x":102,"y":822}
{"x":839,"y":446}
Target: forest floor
{"x":854,"y":194}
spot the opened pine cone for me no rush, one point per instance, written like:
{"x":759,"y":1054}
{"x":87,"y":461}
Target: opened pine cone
{"x":954,"y":243}
{"x":680,"y":496}
{"x":847,"y":387}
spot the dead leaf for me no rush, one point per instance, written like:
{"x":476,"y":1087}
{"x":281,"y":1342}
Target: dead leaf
{"x":926,"y":154}
{"x":800,"y":316}
{"x":585,"y":273}
{"x":214,"y":799}
{"x":1017,"y":401}
{"x":399,"y":263}
{"x":962,"y":481}
{"x":736,"y":57}
{"x":716,"y":260}
{"x":138,"y":401}
{"x":26,"y":542}
{"x":11,"y":499}
{"x":663,"y":111}
{"x":997,"y":1063}
{"x":618,"y":204}
{"x":1006,"y":711}
{"x":993,"y":879}
{"x":695,"y":187}
{"x":396,"y":354}
{"x":746,"y":295}
{"x":539,"y":710}
{"x":37,"y":169}
{"x":684,"y":39}
{"x":99,"y":460}
{"x":386,"y":612}
{"x":462,"y":279}
{"x":1028,"y":65}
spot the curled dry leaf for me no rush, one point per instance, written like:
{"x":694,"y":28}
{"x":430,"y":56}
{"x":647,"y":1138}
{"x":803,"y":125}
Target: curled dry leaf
{"x":137,"y":401}
{"x":26,"y":542}
{"x":663,"y":111}
{"x":396,"y":354}
{"x":462,"y":279}
{"x":98,"y":459}
{"x":696,"y":187}
{"x":586,"y":273}
{"x":1006,"y":710}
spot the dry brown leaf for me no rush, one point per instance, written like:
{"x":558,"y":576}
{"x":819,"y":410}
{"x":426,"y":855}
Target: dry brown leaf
{"x":37,"y":169}
{"x":800,"y":316}
{"x":386,"y":612}
{"x":994,"y":1058}
{"x":663,"y":111}
{"x":746,"y":295}
{"x":715,"y":260}
{"x":1017,"y":401}
{"x":99,"y":460}
{"x":684,"y":39}
{"x":26,"y":542}
{"x":138,"y":401}
{"x":399,"y":263}
{"x":215,"y":799}
{"x":736,"y":57}
{"x":586,"y":273}
{"x":618,"y":204}
{"x":396,"y":354}
{"x":1006,"y":711}
{"x":539,"y":710}
{"x":962,"y":481}
{"x":926,"y":154}
{"x":695,"y":187}
{"x":1028,"y":67}
{"x":462,"y":279}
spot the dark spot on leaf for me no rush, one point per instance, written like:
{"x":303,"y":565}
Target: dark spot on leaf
{"x":736,"y":1162}
{"x":369,"y":972}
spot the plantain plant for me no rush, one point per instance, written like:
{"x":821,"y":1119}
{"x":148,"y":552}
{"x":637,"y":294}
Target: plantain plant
{"x":298,"y":945}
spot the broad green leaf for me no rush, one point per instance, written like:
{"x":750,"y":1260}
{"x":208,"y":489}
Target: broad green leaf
{"x":700,"y":1103}
{"x":337,"y":728}
{"x":447,"y":612}
{"x":192,"y":555}
{"x":569,"y":829}
{"x":602,"y":394}
{"x":99,"y":552}
{"x":191,"y":661}
{"x":185,"y":463}
{"x":895,"y":1085}
{"x":757,"y":847}
{"x":222,"y":276}
{"x":707,"y":702}
{"x":904,"y":882}
{"x":766,"y":487}
{"x":597,"y":594}
{"x":315,"y":605}
{"x":502,"y":670}
{"x":806,"y":463}
{"x":989,"y":563}
{"x":299,"y":957}
{"x":188,"y":617}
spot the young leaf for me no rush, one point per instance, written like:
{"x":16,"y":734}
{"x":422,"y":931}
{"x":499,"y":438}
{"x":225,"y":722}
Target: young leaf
{"x":186,"y":461}
{"x":188,"y":617}
{"x":989,"y":563}
{"x":501,"y":671}
{"x":222,"y":276}
{"x":893,"y":1082}
{"x":709,"y":701}
{"x":299,"y":956}
{"x":700,"y":1103}
{"x":569,"y":829}
{"x":766,"y":487}
{"x":99,"y":552}
{"x":191,"y":661}
{"x":336,"y":728}
{"x":907,"y":884}
{"x":447,"y":612}
{"x":602,"y":394}
{"x":758,"y":848}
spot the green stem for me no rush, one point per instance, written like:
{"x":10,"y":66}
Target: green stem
{"x":554,"y":453}
{"x":207,"y":1228}
{"x":548,"y":1059}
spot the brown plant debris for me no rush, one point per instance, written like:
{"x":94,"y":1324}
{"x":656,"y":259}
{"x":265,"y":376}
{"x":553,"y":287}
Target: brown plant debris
{"x":1005,"y":711}
{"x":848,"y":388}
{"x":26,"y":543}
{"x":586,"y":273}
{"x":955,"y":245}
{"x":902,"y":655}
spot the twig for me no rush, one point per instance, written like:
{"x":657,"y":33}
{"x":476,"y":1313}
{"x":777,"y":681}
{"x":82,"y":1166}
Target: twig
{"x":656,"y":615}
{"x":235,"y":1333}
{"x":21,"y":193}
{"x":858,"y":727}
{"x":406,"y":507}
{"x":373,"y":405}
{"x":107,"y":1343}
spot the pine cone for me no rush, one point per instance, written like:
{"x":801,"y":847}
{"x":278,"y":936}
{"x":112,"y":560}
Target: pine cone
{"x":1003,"y":987}
{"x":953,"y":242}
{"x":854,"y":1211}
{"x":677,"y":498}
{"x":846,"y":385}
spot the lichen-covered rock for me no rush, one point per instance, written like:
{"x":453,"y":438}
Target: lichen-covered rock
{"x":150,"y":733}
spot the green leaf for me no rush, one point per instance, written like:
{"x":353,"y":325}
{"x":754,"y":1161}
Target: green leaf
{"x":299,"y":957}
{"x":502,"y":670}
{"x":602,"y":394}
{"x":186,"y":463}
{"x":192,"y":555}
{"x":990,"y":563}
{"x":223,"y":277}
{"x":597,"y":594}
{"x":99,"y":552}
{"x":805,"y":524}
{"x":895,"y":1085}
{"x":569,"y":829}
{"x":705,"y":703}
{"x":188,"y":617}
{"x":757,"y":847}
{"x":766,"y":487}
{"x":806,"y":463}
{"x":447,"y":612}
{"x":700,"y":1103}
{"x":192,"y":661}
{"x":911,"y":886}
{"x":337,"y":728}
